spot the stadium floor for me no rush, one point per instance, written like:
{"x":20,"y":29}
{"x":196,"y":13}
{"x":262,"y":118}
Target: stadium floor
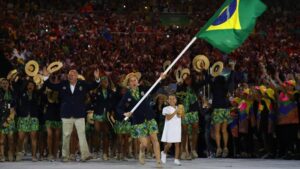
{"x":200,"y":163}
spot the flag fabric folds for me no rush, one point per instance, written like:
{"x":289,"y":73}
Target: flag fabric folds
{"x":231,"y":24}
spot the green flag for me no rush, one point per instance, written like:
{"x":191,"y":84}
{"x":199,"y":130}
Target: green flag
{"x":231,"y":24}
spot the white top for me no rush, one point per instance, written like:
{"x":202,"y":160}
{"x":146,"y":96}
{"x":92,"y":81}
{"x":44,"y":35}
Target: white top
{"x":72,"y":87}
{"x":172,"y":128}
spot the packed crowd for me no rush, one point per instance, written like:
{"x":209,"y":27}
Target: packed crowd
{"x":253,"y":110}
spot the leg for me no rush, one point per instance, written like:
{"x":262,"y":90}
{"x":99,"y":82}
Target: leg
{"x":33,"y":137}
{"x":21,"y":137}
{"x":50,"y":143}
{"x":195,"y":131}
{"x":225,"y":134}
{"x":56,"y":141}
{"x":97,"y":134}
{"x":218,"y":139}
{"x":143,"y":145}
{"x":2,"y":157}
{"x":156,"y":148}
{"x":167,"y":147}
{"x":84,"y":149}
{"x":184,"y":141}
{"x":105,"y":138}
{"x":11,"y":146}
{"x":225,"y":139}
{"x":67,"y":125}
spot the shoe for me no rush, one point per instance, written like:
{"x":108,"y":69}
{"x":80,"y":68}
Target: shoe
{"x":10,"y":157}
{"x":104,"y":157}
{"x":72,"y":157}
{"x":142,"y":157}
{"x":34,"y":159}
{"x":194,"y":154}
{"x":163,"y":157}
{"x":2,"y":159}
{"x":149,"y":156}
{"x":158,"y":164}
{"x":183,"y":156}
{"x":188,"y":157}
{"x":50,"y":157}
{"x":219,"y":153}
{"x":177,"y":162}
{"x":19,"y":156}
{"x":86,"y":159}
{"x":225,"y":153}
{"x":65,"y":159}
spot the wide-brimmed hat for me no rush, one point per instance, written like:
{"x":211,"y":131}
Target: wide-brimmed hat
{"x":12,"y":75}
{"x":216,"y":69}
{"x":290,"y":82}
{"x":184,"y":73}
{"x":32,"y":68}
{"x":54,"y":66}
{"x":271,"y":93}
{"x":177,"y":73}
{"x":80,"y":77}
{"x":138,"y":75}
{"x":246,"y":91}
{"x":166,"y":64}
{"x":110,"y":118}
{"x":200,"y":62}
{"x":261,"y":88}
{"x":38,"y":79}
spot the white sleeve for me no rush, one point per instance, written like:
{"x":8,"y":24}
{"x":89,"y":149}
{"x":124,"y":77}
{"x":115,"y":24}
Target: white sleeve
{"x":166,"y":111}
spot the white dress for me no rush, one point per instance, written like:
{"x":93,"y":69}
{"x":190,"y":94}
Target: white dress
{"x":172,"y":128}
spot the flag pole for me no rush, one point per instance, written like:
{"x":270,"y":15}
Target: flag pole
{"x":165,"y":72}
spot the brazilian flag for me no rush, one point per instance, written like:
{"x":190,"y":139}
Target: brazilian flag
{"x":231,"y":24}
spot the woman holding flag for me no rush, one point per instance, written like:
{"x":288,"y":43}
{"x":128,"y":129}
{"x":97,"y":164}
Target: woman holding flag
{"x":143,"y":119}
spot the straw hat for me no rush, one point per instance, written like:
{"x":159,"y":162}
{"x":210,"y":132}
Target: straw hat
{"x":110,"y":118}
{"x":166,"y":64}
{"x":246,"y":91}
{"x":184,"y":73}
{"x":290,"y":82}
{"x":54,"y":66}
{"x":261,"y":88}
{"x":12,"y":75}
{"x":200,"y":62}
{"x":80,"y":77}
{"x":38,"y":79}
{"x":32,"y":68}
{"x":177,"y":73}
{"x":217,"y":68}
{"x":138,"y":75}
{"x":270,"y":92}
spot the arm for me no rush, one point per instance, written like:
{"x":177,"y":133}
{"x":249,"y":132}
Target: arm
{"x":121,"y":106}
{"x":52,"y":86}
{"x":94,"y":85}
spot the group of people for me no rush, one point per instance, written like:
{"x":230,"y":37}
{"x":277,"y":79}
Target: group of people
{"x":252,"y":121}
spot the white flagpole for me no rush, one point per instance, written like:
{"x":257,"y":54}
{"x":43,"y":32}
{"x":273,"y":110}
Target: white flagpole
{"x":165,"y":72}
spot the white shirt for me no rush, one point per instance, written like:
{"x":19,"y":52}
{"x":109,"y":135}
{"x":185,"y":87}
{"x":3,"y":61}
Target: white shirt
{"x":72,"y":87}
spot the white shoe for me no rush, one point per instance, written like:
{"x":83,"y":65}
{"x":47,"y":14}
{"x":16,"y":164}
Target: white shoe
{"x":163,"y":157}
{"x":177,"y":162}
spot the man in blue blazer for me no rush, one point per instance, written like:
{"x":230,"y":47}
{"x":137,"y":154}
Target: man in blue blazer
{"x":72,"y":94}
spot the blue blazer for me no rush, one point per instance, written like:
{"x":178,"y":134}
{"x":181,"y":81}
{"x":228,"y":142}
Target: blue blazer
{"x":101,"y":105}
{"x":142,"y":113}
{"x":72,"y":104}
